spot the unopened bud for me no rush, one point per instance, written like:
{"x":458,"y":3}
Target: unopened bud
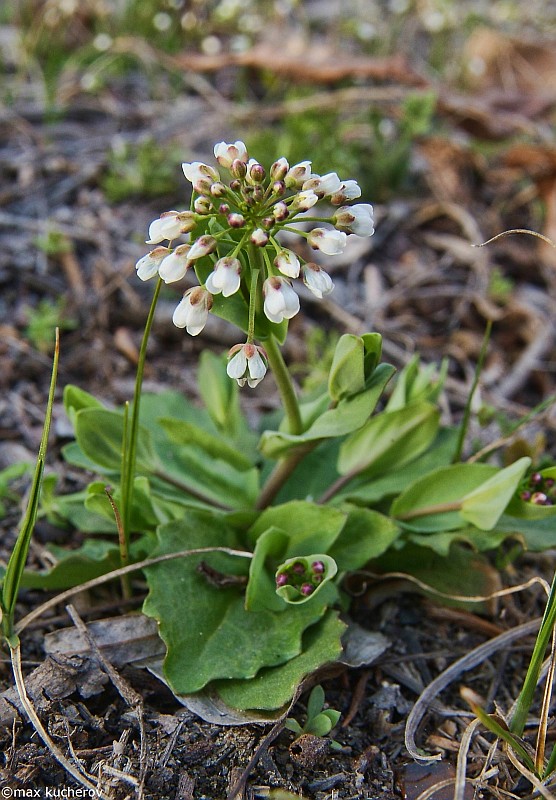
{"x":306,"y":589}
{"x":236,"y":220}
{"x":224,"y":208}
{"x":281,"y":579}
{"x":238,"y":168}
{"x":279,"y":169}
{"x":257,"y":173}
{"x":202,"y":205}
{"x":278,"y":188}
{"x":235,"y":185}
{"x":268,"y":223}
{"x":259,"y":237}
{"x":218,"y":189}
{"x":203,"y":186}
{"x":280,"y":211}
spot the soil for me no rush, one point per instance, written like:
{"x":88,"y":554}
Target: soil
{"x":421,"y":283}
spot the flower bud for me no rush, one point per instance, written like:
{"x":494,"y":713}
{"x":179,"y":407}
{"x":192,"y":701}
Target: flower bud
{"x":306,"y":589}
{"x":298,"y":174}
{"x":303,"y":201}
{"x":202,"y":247}
{"x":224,"y":209}
{"x":331,"y":242}
{"x":356,"y":219}
{"x":218,"y":189}
{"x":278,"y":188}
{"x":226,"y":154}
{"x":238,"y":168}
{"x":279,"y":170}
{"x":287,"y":263}
{"x":259,"y":237}
{"x":202,"y":205}
{"x":235,"y":185}
{"x":280,"y":211}
{"x":281,"y":579}
{"x":203,"y":186}
{"x":317,"y":280}
{"x":255,"y":172}
{"x":236,"y":220}
{"x":539,"y":498}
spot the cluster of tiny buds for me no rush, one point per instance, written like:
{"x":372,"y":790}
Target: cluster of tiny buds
{"x":539,"y":491}
{"x":249,"y":211}
{"x":304,"y":579}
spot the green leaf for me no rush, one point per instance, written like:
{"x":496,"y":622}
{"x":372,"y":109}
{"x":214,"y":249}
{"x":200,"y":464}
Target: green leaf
{"x":395,"y":481}
{"x":485,"y":505}
{"x":310,"y":527}
{"x":350,"y":414}
{"x":99,"y":434}
{"x":16,"y":564}
{"x":365,"y":535}
{"x":354,"y":361}
{"x":315,"y":703}
{"x":274,"y":687}
{"x":390,"y":439}
{"x":220,"y":394}
{"x":95,"y":557}
{"x":321,"y":725}
{"x":76,"y":399}
{"x":440,"y":487}
{"x":187,"y":433}
{"x":261,"y":589}
{"x":208,"y":632}
{"x":415,"y":383}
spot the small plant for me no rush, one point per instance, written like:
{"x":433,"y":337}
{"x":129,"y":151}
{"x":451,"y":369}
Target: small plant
{"x":44,"y":319}
{"x":253,"y":533}
{"x":319,"y":720}
{"x":142,"y":169}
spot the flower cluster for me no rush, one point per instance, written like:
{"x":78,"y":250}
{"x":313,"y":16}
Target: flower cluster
{"x":230,"y":237}
{"x":539,"y":490}
{"x":303,"y":577}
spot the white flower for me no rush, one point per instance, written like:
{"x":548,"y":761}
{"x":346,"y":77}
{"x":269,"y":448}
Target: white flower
{"x":192,"y":311}
{"x":279,"y":169}
{"x":248,"y":364}
{"x":169,"y":225}
{"x":317,"y":280}
{"x":226,"y":154}
{"x":280,"y":300}
{"x":288,"y":263}
{"x":356,"y":219}
{"x":197,"y":171}
{"x":349,"y":190}
{"x":225,"y":277}
{"x":202,"y":247}
{"x":329,"y":241}
{"x":175,"y":265}
{"x":303,"y":201}
{"x":323,"y":185}
{"x":147,"y":267}
{"x":298,"y":174}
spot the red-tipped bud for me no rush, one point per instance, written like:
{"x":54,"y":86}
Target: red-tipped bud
{"x":236,"y":220}
{"x":306,"y":589}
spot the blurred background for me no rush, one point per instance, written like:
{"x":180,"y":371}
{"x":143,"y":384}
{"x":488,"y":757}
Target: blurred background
{"x":443,"y":111}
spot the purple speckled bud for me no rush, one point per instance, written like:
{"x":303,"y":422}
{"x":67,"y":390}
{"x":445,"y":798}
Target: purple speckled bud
{"x":236,"y":220}
{"x":224,"y":208}
{"x":539,"y":498}
{"x":306,"y":589}
{"x":525,"y":495}
{"x":281,"y":579}
{"x":298,"y":568}
{"x":549,"y":482}
{"x":536,"y":478}
{"x":318,"y":567}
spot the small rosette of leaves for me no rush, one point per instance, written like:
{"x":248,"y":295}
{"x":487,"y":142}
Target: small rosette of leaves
{"x":300,"y":579}
{"x":536,"y":496}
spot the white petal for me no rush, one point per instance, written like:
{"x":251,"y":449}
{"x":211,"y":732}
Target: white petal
{"x":257,"y":367}
{"x":147,"y":267}
{"x":237,"y":365}
{"x":173,"y":268}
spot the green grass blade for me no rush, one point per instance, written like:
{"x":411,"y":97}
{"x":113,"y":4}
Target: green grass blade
{"x":521,"y":711}
{"x":18,"y":558}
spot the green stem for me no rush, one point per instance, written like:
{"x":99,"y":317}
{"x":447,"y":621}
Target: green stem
{"x":436,"y":508}
{"x":281,"y":473}
{"x":277,"y":363}
{"x":285,"y":385}
{"x":467,"y":411}
{"x":129,"y":476}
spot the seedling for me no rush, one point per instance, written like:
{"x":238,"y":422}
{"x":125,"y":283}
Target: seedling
{"x":319,"y":720}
